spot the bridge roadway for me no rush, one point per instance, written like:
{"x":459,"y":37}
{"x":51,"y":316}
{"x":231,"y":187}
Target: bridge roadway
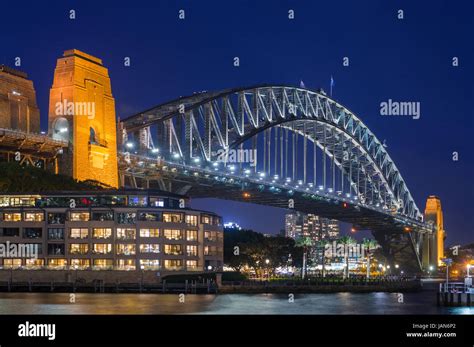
{"x":398,"y":235}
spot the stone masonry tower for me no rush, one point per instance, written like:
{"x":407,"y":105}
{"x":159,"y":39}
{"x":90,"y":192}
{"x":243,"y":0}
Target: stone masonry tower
{"x":82,"y":111}
{"x":434,"y":213}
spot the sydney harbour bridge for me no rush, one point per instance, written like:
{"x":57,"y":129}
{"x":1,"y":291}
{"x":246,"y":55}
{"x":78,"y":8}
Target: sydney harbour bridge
{"x":279,"y":146}
{"x":274,"y":145}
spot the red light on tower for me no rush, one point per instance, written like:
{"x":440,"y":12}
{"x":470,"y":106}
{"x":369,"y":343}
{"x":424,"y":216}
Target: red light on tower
{"x":344,"y":204}
{"x":353,"y":230}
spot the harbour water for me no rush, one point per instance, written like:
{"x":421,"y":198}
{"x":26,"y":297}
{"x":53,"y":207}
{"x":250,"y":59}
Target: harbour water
{"x":336,"y":303}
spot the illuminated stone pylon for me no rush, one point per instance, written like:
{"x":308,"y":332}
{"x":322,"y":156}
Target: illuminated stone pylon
{"x":434,"y":243}
{"x":82,"y":111}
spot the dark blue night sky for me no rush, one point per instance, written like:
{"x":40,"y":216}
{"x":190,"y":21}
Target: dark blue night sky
{"x":403,"y":60}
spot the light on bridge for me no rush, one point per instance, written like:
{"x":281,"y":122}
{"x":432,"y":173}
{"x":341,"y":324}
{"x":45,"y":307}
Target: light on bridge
{"x":246,"y":195}
{"x":407,"y":229}
{"x":176,"y":155}
{"x":155,"y":150}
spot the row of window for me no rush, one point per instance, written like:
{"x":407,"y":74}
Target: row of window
{"x":106,"y":233}
{"x":100,"y":264}
{"x":120,"y":217}
{"x":129,"y":249}
{"x":119,"y":200}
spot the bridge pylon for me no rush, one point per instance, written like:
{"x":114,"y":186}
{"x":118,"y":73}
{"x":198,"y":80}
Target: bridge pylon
{"x":82,"y":112}
{"x":433,"y":245}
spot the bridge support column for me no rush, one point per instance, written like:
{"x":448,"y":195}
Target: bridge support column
{"x":426,"y":251}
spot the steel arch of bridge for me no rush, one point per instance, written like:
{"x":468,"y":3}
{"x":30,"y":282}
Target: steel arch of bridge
{"x":200,"y":125}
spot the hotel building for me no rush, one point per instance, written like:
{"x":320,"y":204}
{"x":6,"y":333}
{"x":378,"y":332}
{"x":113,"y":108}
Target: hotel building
{"x":113,"y":232}
{"x":309,"y":225}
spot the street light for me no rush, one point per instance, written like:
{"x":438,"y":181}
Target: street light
{"x":396,"y":266}
{"x":267,"y":261}
{"x":468,"y":266}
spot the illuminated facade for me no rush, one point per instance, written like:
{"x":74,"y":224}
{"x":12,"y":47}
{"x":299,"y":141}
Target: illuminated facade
{"x":310,"y":225}
{"x":434,"y":213}
{"x":82,"y":111}
{"x":126,"y":230}
{"x":18,"y":108}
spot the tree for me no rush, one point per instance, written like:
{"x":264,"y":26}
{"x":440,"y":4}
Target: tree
{"x":304,"y":242}
{"x":369,"y":244}
{"x":16,"y":178}
{"x":248,"y":248}
{"x":347,"y":241}
{"x":322,"y":244}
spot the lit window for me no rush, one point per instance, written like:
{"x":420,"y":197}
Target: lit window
{"x":191,"y":220}
{"x":191,"y":264}
{"x":191,"y":251}
{"x":205,"y":219}
{"x":149,"y":233}
{"x":173,"y":234}
{"x":102,"y":233}
{"x":126,"y":264}
{"x":173,"y":217}
{"x":173,"y":250}
{"x":11,"y":263}
{"x":57,"y":264}
{"x":34,"y":217}
{"x":125,"y":234}
{"x":102,"y":248}
{"x":80,"y":264}
{"x":78,"y":248}
{"x":150,"y":248}
{"x":80,"y":216}
{"x":103,"y":264}
{"x":191,"y":235}
{"x":34,"y":264}
{"x":12,"y":217}
{"x":79,"y":233}
{"x":126,"y":249}
{"x":149,"y":264}
{"x":173,"y":264}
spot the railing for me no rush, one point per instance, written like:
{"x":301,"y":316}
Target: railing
{"x":455,"y":287}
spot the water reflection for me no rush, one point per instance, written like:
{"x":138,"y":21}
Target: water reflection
{"x":338,"y":303}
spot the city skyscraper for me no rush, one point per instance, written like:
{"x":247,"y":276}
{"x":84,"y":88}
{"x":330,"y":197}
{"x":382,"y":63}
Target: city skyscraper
{"x":310,"y":225}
